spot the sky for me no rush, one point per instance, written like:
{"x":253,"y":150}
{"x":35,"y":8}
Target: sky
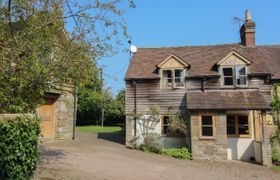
{"x":158,"y":23}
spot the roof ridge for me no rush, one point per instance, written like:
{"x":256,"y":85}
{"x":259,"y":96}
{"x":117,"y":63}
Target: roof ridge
{"x":210,"y":45}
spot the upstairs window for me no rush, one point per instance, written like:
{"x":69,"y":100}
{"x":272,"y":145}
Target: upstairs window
{"x":179,"y":78}
{"x":228,"y":76}
{"x":241,"y":75}
{"x":234,"y":76}
{"x":173,"y":78}
{"x":167,"y":78}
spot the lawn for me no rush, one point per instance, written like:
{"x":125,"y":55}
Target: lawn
{"x":276,"y":168}
{"x":98,"y":129}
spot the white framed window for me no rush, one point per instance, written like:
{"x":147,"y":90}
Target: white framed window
{"x":173,"y":78}
{"x":241,"y":75}
{"x":167,"y":78}
{"x":234,"y":76}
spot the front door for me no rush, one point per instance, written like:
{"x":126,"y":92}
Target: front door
{"x":47,"y":115}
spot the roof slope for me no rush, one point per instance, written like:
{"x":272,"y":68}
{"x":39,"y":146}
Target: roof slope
{"x":230,"y":100}
{"x":265,"y":59}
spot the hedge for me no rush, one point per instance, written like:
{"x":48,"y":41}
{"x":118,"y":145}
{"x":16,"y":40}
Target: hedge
{"x":19,"y":138}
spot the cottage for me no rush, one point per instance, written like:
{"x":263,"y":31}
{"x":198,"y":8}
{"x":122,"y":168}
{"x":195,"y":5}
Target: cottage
{"x":224,"y":91}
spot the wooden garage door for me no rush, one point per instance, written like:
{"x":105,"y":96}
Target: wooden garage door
{"x":47,"y":115}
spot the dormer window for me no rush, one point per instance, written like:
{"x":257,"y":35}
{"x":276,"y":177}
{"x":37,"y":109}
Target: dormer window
{"x":172,"y":71}
{"x":173,"y":78}
{"x":233,"y":70}
{"x":234,"y":76}
{"x":167,"y":78}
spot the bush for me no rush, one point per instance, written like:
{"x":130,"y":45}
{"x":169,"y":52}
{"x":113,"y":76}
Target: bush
{"x":180,"y":153}
{"x":177,"y":153}
{"x":152,"y":142}
{"x":275,"y":153}
{"x":18,"y":147}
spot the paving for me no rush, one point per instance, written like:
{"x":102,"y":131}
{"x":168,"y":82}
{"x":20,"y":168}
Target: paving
{"x":103,"y":156}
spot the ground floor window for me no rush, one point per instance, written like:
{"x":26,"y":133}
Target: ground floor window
{"x":207,"y":125}
{"x":238,"y":126}
{"x":166,"y":125}
{"x":173,"y":126}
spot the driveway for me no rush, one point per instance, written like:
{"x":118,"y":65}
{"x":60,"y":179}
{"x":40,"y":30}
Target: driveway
{"x":103,"y":156}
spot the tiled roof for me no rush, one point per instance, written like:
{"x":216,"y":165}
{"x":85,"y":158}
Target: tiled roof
{"x":229,"y":100}
{"x":265,"y":59}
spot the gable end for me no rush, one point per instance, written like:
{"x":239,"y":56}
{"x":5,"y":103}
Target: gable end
{"x":234,"y":58}
{"x":172,"y":61}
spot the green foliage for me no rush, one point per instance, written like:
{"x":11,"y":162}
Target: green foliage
{"x":152,"y":142}
{"x":276,"y":136}
{"x":276,"y":168}
{"x":178,"y":125}
{"x":37,"y":54}
{"x":177,"y":153}
{"x":98,"y":129}
{"x":18,"y":147}
{"x":90,"y":102}
{"x":275,"y":152}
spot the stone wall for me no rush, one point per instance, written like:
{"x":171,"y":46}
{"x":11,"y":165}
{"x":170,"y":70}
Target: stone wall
{"x":212,"y":149}
{"x":64,"y":115}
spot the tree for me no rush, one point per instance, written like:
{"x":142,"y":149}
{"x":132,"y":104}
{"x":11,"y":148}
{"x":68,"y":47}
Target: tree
{"x":37,"y":54}
{"x":115,"y":109}
{"x":90,"y":103}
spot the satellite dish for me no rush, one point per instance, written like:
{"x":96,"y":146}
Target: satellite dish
{"x":133,"y":49}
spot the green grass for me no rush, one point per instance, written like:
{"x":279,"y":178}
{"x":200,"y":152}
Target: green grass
{"x":276,"y":168}
{"x":98,"y":129}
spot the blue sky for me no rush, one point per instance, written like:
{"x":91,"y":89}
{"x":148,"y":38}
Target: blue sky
{"x":157,"y":23}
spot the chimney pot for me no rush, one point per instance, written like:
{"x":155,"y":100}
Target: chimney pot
{"x":248,"y":15}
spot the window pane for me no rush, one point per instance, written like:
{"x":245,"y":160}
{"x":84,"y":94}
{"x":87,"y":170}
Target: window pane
{"x":243,"y":130}
{"x":243,"y":120}
{"x":240,"y":70}
{"x":206,"y":120}
{"x":167,"y":78}
{"x":230,"y":130}
{"x":227,"y":72}
{"x":228,"y":81}
{"x":243,"y":127}
{"x":207,"y":131}
{"x":165,"y":130}
{"x":168,"y":73}
{"x":166,"y":120}
{"x":230,"y":120}
{"x":230,"y":125}
{"x":241,"y":80}
{"x":179,"y":77}
{"x":179,"y":73}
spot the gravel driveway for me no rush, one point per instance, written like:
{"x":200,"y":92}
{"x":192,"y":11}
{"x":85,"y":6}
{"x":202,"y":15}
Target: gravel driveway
{"x":103,"y":156}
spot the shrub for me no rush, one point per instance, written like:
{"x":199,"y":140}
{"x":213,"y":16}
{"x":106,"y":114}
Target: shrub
{"x":152,"y":142}
{"x":182,"y":153}
{"x":18,"y":147}
{"x":275,"y":152}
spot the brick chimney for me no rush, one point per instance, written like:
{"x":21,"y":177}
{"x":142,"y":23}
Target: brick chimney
{"x":247,"y":31}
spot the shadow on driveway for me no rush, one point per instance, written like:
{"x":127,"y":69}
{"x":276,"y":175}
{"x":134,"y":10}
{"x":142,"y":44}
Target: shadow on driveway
{"x":46,"y":154}
{"x":117,"y":137}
